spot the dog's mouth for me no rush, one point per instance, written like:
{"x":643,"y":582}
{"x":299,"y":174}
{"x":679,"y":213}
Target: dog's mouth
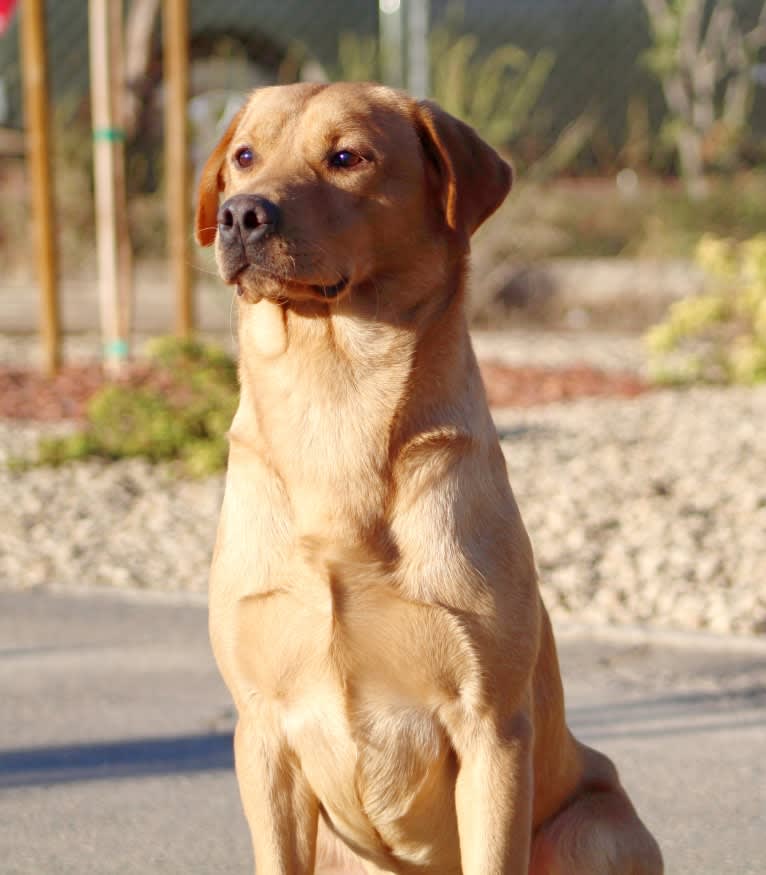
{"x":256,"y":283}
{"x":332,"y":291}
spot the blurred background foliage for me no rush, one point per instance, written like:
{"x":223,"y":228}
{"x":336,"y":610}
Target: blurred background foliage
{"x":719,"y":336}
{"x":176,"y":407}
{"x":672,"y":90}
{"x":637,"y":129}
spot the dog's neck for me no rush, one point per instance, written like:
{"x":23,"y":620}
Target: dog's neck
{"x":329,"y":413}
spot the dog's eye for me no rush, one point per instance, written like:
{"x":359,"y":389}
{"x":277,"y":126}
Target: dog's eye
{"x":244,"y":157}
{"x":345,"y":159}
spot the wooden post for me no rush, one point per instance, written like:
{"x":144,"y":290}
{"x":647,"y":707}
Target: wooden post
{"x":176,"y":62}
{"x":114,"y":258}
{"x":124,"y":246}
{"x":37,"y":113}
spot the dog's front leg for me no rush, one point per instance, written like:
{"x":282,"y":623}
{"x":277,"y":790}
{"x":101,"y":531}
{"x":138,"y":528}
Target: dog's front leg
{"x":281,"y":809}
{"x":493,"y":794}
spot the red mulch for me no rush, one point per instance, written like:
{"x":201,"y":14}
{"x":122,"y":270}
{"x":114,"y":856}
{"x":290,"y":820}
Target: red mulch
{"x":26,"y":394}
{"x":527,"y":386}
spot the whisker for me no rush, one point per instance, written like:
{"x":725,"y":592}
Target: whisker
{"x":197,"y":268}
{"x":377,"y":299}
{"x":232,"y":333}
{"x":208,"y":228}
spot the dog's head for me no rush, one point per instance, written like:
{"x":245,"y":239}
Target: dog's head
{"x":316,"y":189}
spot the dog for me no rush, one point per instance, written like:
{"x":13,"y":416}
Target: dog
{"x":374,"y":602}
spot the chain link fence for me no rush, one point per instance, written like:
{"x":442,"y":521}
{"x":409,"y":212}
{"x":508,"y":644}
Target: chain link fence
{"x":565,"y":86}
{"x":594,"y":52}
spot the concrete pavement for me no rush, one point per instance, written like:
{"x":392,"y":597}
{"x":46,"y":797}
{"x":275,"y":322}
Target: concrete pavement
{"x":115,"y":740}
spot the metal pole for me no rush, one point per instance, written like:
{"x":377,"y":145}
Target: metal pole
{"x":37,"y":113}
{"x":108,"y":165}
{"x":391,"y":48}
{"x":176,"y":60}
{"x":417,"y":46}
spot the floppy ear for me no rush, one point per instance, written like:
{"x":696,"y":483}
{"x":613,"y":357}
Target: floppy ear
{"x":210,"y":185}
{"x":472,"y":177}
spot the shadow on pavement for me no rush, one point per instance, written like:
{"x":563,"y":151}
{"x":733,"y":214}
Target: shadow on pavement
{"x":645,"y":717}
{"x":144,"y":757}
{"x":677,"y":714}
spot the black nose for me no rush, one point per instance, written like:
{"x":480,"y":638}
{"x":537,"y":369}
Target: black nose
{"x":247,"y":217}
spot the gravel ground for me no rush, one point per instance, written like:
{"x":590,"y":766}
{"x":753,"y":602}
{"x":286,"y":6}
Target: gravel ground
{"x":610,"y":351}
{"x":651,"y":510}
{"x":613,"y":351}
{"x":644,"y":511}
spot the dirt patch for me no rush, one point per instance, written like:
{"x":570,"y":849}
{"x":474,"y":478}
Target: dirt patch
{"x":27,"y":394}
{"x":527,"y":386}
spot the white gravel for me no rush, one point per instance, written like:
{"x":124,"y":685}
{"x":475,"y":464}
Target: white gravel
{"x":643,"y":511}
{"x":618,"y":351}
{"x":651,"y":510}
{"x":610,"y":351}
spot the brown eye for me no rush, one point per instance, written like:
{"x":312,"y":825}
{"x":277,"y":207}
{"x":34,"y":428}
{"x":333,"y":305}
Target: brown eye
{"x":345,"y":159}
{"x":244,"y":157}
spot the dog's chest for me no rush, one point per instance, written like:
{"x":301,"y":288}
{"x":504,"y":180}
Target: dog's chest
{"x":356,"y":678}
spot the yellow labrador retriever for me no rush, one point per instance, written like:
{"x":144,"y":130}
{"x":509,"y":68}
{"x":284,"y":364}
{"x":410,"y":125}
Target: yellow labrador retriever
{"x":374,"y":606}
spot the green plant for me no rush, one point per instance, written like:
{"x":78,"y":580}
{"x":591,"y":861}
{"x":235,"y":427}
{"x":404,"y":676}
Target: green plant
{"x":180,"y":411}
{"x":495,"y":93}
{"x":704,"y":60}
{"x":719,"y":336}
{"x":358,"y":58}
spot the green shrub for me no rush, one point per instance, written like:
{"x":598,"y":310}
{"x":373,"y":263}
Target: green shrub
{"x":128,"y":422}
{"x":496,"y":92}
{"x":180,"y":411}
{"x":55,"y":451}
{"x":719,"y":336}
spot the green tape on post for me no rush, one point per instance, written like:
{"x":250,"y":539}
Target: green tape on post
{"x":117,"y":349}
{"x":109,"y":135}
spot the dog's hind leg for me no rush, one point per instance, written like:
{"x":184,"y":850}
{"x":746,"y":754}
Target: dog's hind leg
{"x":597,"y":833}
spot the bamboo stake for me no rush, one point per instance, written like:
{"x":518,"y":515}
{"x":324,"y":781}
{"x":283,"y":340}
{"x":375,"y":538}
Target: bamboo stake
{"x":114,"y":262}
{"x":124,"y":247}
{"x":37,"y":113}
{"x":176,"y":61}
